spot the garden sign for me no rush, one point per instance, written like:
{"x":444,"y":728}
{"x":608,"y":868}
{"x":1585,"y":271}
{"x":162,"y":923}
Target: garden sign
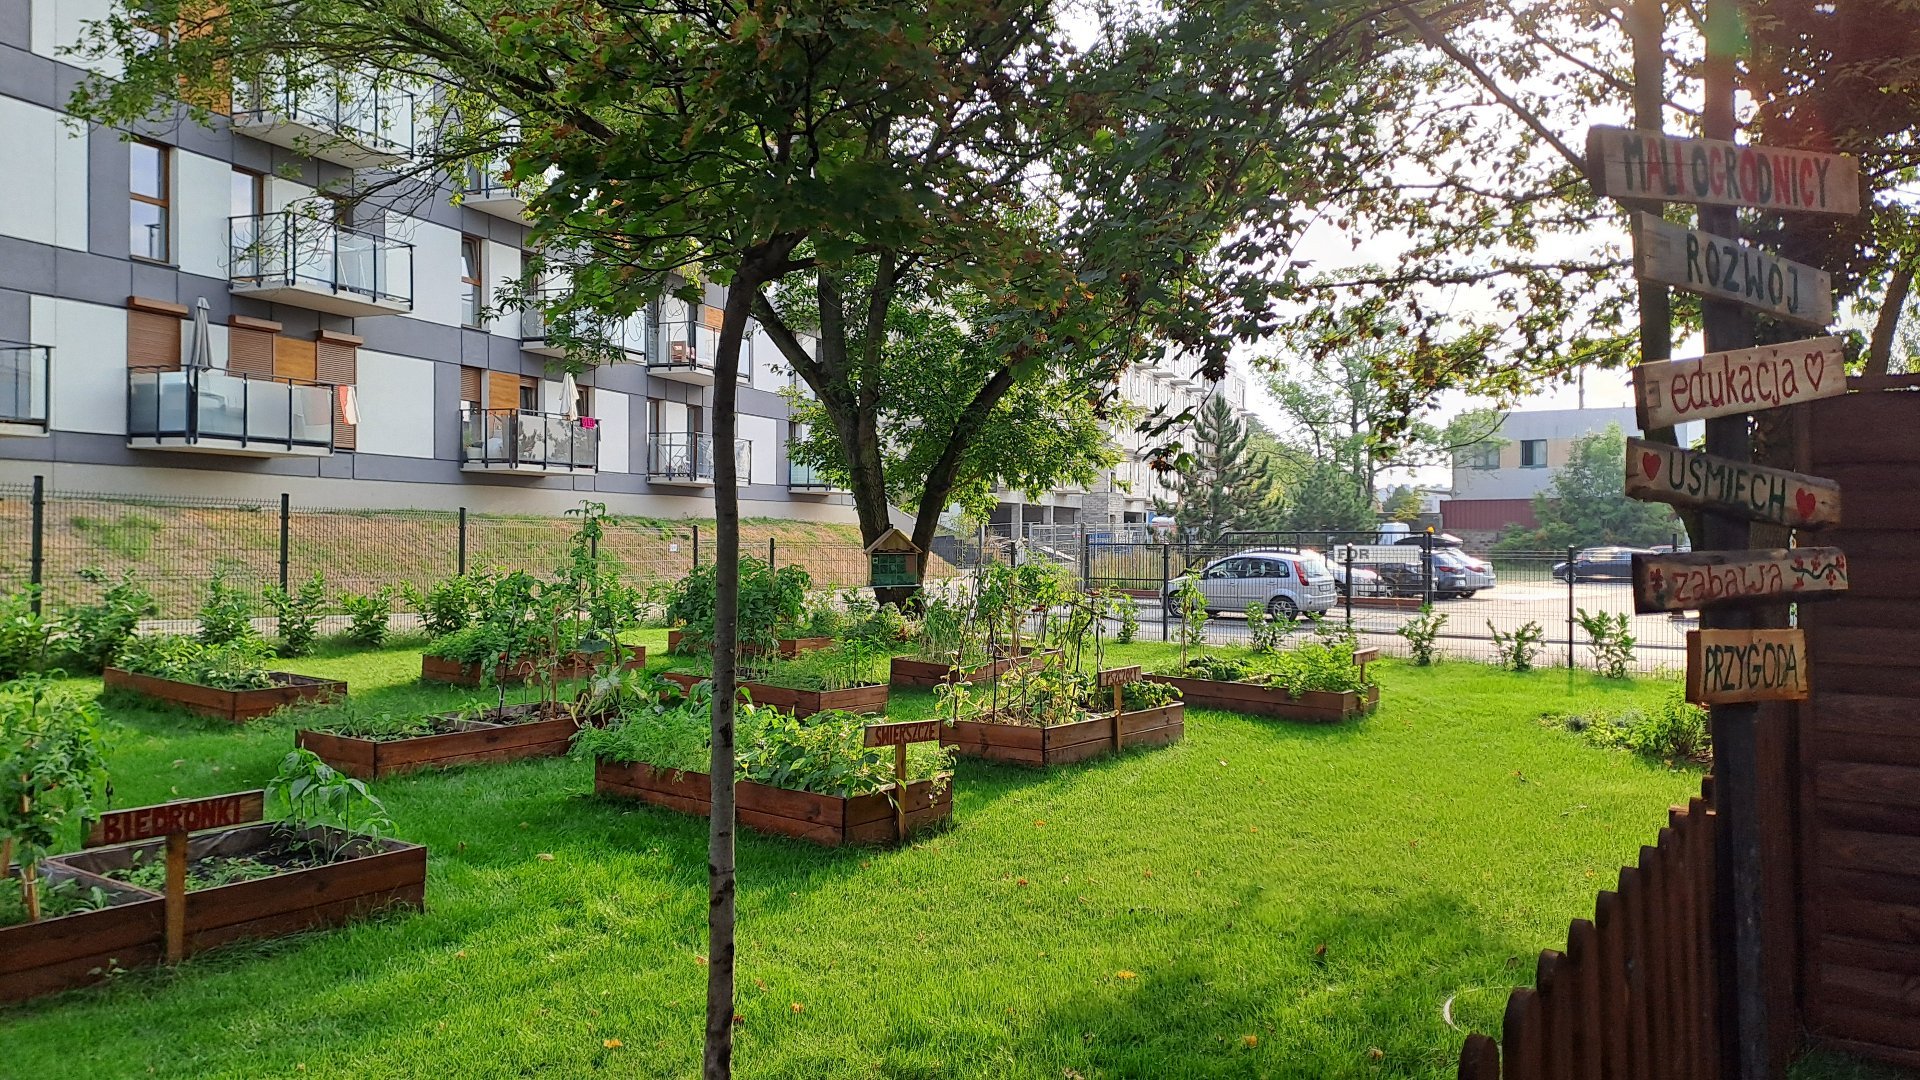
{"x":898,"y":736}
{"x":174,"y":821}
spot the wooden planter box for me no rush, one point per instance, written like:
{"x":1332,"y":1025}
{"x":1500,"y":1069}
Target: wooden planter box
{"x":828,"y":820}
{"x":1064,"y":744}
{"x":1240,"y":697}
{"x":468,"y":742}
{"x":576,"y":666}
{"x":375,"y":875}
{"x":231,"y":705}
{"x":60,"y":954}
{"x":926,"y":674}
{"x":788,"y":646}
{"x":856,"y":699}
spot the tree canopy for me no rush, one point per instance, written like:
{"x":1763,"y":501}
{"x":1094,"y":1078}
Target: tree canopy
{"x":1586,"y":504}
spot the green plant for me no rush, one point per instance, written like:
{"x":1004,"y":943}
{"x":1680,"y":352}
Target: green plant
{"x":1423,"y":634}
{"x":24,"y":635}
{"x":237,"y":665}
{"x":227,"y":614}
{"x":52,"y":768}
{"x":1193,"y":615}
{"x":1264,"y":632}
{"x":90,"y":634}
{"x":1129,"y":611}
{"x":1516,"y":650}
{"x":848,"y":664}
{"x":311,"y":793}
{"x":1670,"y":729}
{"x":1147,"y":694}
{"x":772,"y":602}
{"x":367,"y":616}
{"x":1610,"y":640}
{"x":450,"y":604}
{"x":297,"y":614}
{"x":58,"y":897}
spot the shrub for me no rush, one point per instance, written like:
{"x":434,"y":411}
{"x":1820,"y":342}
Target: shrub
{"x":1672,"y":730}
{"x":52,"y":768}
{"x":1147,"y":694}
{"x":367,"y":616}
{"x":1517,"y":649}
{"x":235,"y":665}
{"x":1610,"y":639}
{"x":1263,"y":630}
{"x":450,"y":604}
{"x":1193,"y":615}
{"x":1129,"y":619}
{"x":226,"y":614}
{"x":92,"y":633}
{"x":23,"y":634}
{"x":772,"y":602}
{"x":297,"y":615}
{"x":1423,"y":634}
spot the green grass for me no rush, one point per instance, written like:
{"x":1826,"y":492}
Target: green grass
{"x":1155,"y":915}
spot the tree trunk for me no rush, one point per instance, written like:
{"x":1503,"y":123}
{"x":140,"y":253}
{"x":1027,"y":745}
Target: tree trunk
{"x":1880,"y":346}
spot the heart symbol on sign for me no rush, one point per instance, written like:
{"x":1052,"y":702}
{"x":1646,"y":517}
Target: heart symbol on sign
{"x":1814,"y":365}
{"x":1803,"y":502}
{"x":1650,"y":464}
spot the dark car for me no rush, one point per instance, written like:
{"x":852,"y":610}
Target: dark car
{"x":1601,"y":564}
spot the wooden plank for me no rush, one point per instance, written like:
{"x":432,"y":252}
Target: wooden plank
{"x":1737,"y":382}
{"x":1866,"y":714}
{"x":1878,"y":852}
{"x":1479,"y":1058}
{"x":187,"y":815}
{"x":1705,"y":579}
{"x":1623,"y":163}
{"x":1727,"y":667}
{"x":1721,"y":269}
{"x":1119,"y":676}
{"x":911,"y":731}
{"x":1886,"y":785}
{"x":1659,"y":473}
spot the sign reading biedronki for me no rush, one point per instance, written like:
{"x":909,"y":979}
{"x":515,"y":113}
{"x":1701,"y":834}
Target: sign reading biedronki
{"x":1627,"y":164}
{"x":1742,"y":381}
{"x":1721,"y":269}
{"x":186,"y":816}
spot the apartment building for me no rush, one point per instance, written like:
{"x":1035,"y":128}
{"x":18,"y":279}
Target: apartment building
{"x":1130,"y":490}
{"x":186,"y":312}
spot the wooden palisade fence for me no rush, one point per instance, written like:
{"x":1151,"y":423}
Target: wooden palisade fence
{"x":1635,"y":995}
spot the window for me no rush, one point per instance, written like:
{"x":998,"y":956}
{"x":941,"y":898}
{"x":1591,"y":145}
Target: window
{"x":583,"y":401}
{"x":1533,"y":453}
{"x":472,"y":296}
{"x":1481,"y":456}
{"x":148,"y":200}
{"x":248,"y":196}
{"x":529,"y":395}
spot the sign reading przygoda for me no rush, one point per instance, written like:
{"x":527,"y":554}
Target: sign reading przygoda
{"x":1733,"y":667}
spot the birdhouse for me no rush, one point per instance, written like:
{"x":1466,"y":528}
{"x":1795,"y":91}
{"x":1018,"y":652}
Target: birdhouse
{"x":893,"y":561}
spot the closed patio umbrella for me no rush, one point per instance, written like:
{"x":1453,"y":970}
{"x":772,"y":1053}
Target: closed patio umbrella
{"x":200,"y":344}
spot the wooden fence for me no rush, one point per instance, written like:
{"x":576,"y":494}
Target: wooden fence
{"x":1635,"y":993}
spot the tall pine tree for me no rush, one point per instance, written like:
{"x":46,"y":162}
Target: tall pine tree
{"x":1229,"y":486}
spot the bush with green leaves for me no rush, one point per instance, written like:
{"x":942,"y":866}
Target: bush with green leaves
{"x":226,"y":614}
{"x":1423,"y":634}
{"x":52,"y":771}
{"x":1192,"y":604}
{"x":1517,"y":649}
{"x":1148,"y":694}
{"x":90,"y":634}
{"x":772,"y":602}
{"x":236,"y":665}
{"x":1129,"y":611}
{"x":450,"y":604}
{"x":1672,"y":730}
{"x":1264,"y":632}
{"x":1610,"y":640}
{"x":297,"y":614}
{"x":368,"y":616}
{"x":25,"y":637}
{"x":310,"y":793}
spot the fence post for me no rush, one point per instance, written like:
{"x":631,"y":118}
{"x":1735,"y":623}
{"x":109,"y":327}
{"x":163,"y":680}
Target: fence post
{"x":1349,"y":554}
{"x":1166,"y":565}
{"x":37,"y":560}
{"x":696,"y":547}
{"x":980,"y":556}
{"x":1569,"y":607}
{"x":769,"y":552}
{"x":463,"y":540}
{"x":286,"y":517}
{"x":1426,"y":567}
{"x":1086,"y":560}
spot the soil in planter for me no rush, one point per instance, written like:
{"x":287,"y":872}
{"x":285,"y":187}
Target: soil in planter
{"x":281,"y":855}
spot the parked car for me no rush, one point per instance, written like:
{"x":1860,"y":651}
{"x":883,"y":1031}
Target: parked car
{"x":1601,"y":564}
{"x":1287,"y":583}
{"x":1365,"y":582}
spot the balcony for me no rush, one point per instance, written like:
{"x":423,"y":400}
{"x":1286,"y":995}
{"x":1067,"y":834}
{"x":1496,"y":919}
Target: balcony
{"x":528,"y":443}
{"x":686,"y":459}
{"x":335,"y":117}
{"x":23,"y":388}
{"x":487,"y":193}
{"x":210,"y":411}
{"x":628,"y":335}
{"x":290,"y":258}
{"x":803,"y":479}
{"x":689,"y":343}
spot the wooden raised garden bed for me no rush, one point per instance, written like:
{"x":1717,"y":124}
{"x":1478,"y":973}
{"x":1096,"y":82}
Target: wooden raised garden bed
{"x":829,"y":820}
{"x":926,"y":674}
{"x":1063,"y":744}
{"x":59,"y":954}
{"x":1313,"y":705}
{"x":372,"y":876}
{"x":855,"y":699}
{"x":787,"y":646}
{"x":231,"y":705}
{"x":510,"y":735}
{"x":576,"y":666}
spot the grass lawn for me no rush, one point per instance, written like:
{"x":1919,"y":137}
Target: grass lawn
{"x":1263,"y":899}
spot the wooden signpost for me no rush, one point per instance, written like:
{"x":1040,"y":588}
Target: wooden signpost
{"x":1628,"y":164}
{"x":1690,"y":581}
{"x":1721,"y":269}
{"x":1118,"y":678}
{"x":1657,"y":472}
{"x":1733,"y":383}
{"x":899,"y":736}
{"x":174,"y":821}
{"x":1732,"y":667}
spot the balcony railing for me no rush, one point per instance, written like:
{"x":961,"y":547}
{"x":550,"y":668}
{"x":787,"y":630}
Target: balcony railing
{"x":629,"y":335}
{"x":291,"y":251}
{"x":532,"y":441}
{"x":687,"y":458}
{"x":804,"y":477}
{"x":23,"y":383}
{"x":689,"y":345}
{"x":216,"y":409}
{"x":375,"y":123}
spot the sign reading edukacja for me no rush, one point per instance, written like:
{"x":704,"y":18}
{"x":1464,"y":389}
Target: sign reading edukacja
{"x":1738,"y":382}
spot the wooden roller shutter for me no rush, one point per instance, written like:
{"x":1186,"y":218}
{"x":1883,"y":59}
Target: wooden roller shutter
{"x":250,"y":345}
{"x":471,"y":385}
{"x":503,"y":390}
{"x":339,"y":365}
{"x":715,"y":316}
{"x":294,"y":359}
{"x":153,"y":333}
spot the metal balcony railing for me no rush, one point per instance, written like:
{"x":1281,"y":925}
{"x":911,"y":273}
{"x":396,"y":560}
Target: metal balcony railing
{"x":689,"y":343}
{"x":629,"y":335}
{"x":289,"y":249}
{"x":806,"y":477}
{"x":687,"y":457}
{"x":196,"y":405}
{"x":346,"y":106}
{"x":519,"y":439}
{"x":23,"y":383}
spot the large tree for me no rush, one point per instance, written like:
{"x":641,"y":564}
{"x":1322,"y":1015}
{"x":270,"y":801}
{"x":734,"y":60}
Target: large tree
{"x":1227,"y":486}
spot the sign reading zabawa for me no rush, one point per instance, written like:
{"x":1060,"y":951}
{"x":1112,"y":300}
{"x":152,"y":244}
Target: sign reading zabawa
{"x":1720,"y":269}
{"x":1660,"y":473}
{"x":1728,"y":667}
{"x":1627,"y":164}
{"x":1742,"y":381}
{"x":1687,"y":581}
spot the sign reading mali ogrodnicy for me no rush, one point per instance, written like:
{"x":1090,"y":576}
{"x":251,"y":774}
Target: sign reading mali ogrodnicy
{"x":1627,"y":164}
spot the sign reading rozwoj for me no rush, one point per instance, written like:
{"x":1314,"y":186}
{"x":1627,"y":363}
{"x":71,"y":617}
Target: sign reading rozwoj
{"x":1627,"y":164}
{"x":1722,"y":269}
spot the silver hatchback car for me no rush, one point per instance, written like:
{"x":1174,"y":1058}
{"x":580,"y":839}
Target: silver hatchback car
{"x":1287,"y":583}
